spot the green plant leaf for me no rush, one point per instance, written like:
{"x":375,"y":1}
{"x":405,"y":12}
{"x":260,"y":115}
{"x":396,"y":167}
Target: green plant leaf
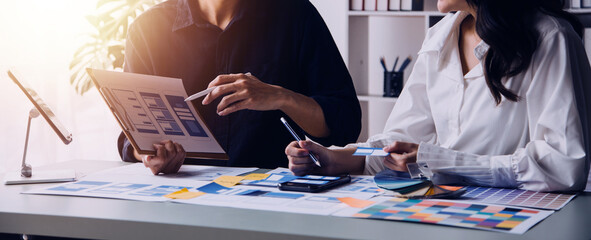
{"x":100,"y":3}
{"x":86,"y":49}
{"x":107,"y":47}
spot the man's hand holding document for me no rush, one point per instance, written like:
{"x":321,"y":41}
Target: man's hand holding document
{"x":151,"y":110}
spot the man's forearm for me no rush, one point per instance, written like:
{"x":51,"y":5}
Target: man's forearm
{"x":307,"y":113}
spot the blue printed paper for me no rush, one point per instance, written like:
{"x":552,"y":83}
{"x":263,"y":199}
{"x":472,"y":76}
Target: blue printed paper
{"x":363,"y":151}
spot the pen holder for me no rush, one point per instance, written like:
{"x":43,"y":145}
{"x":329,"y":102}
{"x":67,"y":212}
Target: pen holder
{"x":392,"y":83}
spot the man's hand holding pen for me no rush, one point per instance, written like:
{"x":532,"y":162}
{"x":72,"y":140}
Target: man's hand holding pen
{"x":245,"y":91}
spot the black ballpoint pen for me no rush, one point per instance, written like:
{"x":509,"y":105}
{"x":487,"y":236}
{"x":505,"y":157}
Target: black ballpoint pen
{"x":298,"y":139}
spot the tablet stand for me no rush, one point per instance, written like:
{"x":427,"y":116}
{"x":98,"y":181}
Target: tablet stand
{"x":26,"y":170}
{"x":26,"y":175}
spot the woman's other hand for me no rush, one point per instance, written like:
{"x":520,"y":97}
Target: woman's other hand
{"x":401,"y":153}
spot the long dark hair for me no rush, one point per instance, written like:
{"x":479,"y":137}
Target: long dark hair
{"x":509,"y":28}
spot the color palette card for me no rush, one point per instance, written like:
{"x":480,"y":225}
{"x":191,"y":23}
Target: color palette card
{"x":363,"y":151}
{"x":517,"y":197}
{"x":399,"y":181}
{"x":453,"y":213}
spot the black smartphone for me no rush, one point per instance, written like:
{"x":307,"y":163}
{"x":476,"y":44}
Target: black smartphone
{"x":314,"y":183}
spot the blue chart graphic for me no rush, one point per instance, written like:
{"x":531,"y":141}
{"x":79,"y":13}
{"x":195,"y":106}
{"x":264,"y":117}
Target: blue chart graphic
{"x":78,"y":186}
{"x":159,"y":191}
{"x":371,"y":190}
{"x":253,"y":193}
{"x":133,"y":107}
{"x":324,"y":199}
{"x":161,"y":114}
{"x":273,"y":180}
{"x":283,"y":195}
{"x":119,"y":188}
{"x":183,"y":112}
{"x":362,"y":180}
{"x":214,"y":188}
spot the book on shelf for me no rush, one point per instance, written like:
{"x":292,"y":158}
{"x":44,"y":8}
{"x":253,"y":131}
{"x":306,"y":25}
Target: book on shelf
{"x":413,"y":5}
{"x":575,"y":4}
{"x":356,"y":5}
{"x":382,"y":5}
{"x":394,"y":5}
{"x":370,"y":5}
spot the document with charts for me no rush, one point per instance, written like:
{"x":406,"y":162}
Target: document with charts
{"x":150,"y":109}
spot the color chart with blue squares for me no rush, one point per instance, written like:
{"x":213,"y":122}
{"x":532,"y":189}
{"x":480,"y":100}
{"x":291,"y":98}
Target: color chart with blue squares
{"x":455,"y":213}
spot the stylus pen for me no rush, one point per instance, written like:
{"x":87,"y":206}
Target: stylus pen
{"x":200,"y":94}
{"x":206,"y":91}
{"x":293,"y":133}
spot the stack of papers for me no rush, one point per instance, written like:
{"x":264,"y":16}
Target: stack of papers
{"x":362,"y":198}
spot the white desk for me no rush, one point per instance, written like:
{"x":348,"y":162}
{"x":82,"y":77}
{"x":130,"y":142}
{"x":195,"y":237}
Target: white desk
{"x":120,"y":219}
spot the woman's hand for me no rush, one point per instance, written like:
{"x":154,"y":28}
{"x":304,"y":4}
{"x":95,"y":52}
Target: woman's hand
{"x":244,"y":91}
{"x":401,"y":153}
{"x":334,"y":162}
{"x":300,"y":162}
{"x":169,"y":158}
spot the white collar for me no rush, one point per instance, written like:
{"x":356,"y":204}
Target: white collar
{"x":440,"y":35}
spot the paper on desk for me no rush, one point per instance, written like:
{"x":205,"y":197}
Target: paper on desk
{"x":256,"y":176}
{"x":184,"y":194}
{"x":272,"y":199}
{"x":214,"y":188}
{"x":151,"y":190}
{"x":280,"y":170}
{"x":135,"y":182}
{"x":356,"y":203}
{"x":228,"y":181}
{"x":138,"y":172}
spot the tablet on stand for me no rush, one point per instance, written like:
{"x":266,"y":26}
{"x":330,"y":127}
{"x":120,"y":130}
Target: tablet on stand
{"x":27,"y":175}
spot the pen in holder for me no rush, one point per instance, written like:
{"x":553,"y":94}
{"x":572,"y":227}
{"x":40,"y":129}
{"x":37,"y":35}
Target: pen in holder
{"x":392,"y":83}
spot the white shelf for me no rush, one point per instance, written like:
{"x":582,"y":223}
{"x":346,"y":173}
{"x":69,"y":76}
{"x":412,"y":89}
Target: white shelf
{"x":376,"y":98}
{"x":430,"y":13}
{"x":396,"y":13}
{"x":579,"y":10}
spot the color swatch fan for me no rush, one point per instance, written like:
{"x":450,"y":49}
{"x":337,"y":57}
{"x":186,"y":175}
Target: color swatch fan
{"x":404,"y":186}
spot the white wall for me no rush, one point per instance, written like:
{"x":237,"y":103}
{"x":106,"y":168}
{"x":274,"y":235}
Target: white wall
{"x":335,"y":14}
{"x":37,"y":40}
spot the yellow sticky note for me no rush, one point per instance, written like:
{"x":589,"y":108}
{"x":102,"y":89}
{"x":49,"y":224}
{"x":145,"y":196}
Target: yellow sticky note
{"x":184,"y":194}
{"x":228,"y":181}
{"x":256,"y":176}
{"x":356,"y":203}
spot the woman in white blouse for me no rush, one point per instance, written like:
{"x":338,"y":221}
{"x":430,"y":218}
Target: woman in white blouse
{"x":490,"y":102}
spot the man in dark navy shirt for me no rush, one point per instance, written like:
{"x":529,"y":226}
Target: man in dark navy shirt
{"x":268,"y":59}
